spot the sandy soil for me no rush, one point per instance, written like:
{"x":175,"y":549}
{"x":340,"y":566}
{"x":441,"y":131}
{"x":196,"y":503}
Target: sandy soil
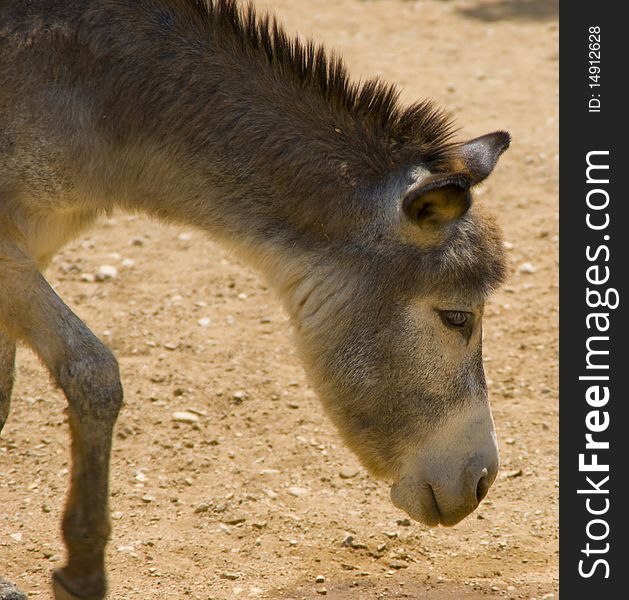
{"x":249,"y":502}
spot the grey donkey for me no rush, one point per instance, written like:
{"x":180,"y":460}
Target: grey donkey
{"x":356,"y":209}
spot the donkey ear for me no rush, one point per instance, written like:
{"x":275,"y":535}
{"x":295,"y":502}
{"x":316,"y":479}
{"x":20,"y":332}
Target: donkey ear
{"x":481,"y":154}
{"x":437,"y":199}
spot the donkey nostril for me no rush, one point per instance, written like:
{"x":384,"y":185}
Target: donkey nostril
{"x":483,"y":486}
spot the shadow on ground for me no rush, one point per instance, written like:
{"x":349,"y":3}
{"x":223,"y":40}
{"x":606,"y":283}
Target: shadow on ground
{"x":508,"y":10}
{"x":513,"y":10}
{"x":400,"y":589}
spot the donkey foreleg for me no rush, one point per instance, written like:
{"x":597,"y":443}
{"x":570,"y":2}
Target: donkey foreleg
{"x":87,"y":372}
{"x":7,"y":369}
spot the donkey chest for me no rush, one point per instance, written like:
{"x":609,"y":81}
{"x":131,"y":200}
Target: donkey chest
{"x":46,"y":234}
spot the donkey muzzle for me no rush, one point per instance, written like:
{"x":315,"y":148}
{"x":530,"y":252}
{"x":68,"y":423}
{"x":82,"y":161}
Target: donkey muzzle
{"x":449,"y":477}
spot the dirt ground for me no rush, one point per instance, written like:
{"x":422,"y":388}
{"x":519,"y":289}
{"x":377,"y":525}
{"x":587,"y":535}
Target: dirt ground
{"x":249,"y":502}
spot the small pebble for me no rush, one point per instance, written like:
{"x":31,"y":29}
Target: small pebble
{"x":297,"y":491}
{"x":230,"y":576}
{"x":320,"y":579}
{"x":527,"y":268}
{"x":204,"y":322}
{"x":348,"y":472}
{"x":184,"y":417}
{"x":349,"y":542}
{"x":239,"y":396}
{"x":105,"y":272}
{"x":512,"y":474}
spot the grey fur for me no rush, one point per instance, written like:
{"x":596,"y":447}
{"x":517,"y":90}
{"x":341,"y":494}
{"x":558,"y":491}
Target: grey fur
{"x":199,"y":113}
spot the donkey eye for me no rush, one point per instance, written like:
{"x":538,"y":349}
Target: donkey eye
{"x":455,"y":319}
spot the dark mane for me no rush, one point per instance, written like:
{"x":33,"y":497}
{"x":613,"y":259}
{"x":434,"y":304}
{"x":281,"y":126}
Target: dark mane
{"x":421,"y":131}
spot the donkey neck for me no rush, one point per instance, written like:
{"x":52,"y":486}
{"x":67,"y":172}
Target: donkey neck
{"x":216,"y":118}
{"x":207,"y":130}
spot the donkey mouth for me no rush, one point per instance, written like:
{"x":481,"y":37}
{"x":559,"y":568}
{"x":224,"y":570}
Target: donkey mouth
{"x":418,"y":500}
{"x":422,"y":502}
{"x":431,"y":504}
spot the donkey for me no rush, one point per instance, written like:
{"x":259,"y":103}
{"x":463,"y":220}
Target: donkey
{"x":357,"y":210}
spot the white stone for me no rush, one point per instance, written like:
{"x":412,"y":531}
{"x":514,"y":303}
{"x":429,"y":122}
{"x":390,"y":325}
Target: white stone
{"x":105,"y":272}
{"x":527,"y":268}
{"x":184,"y":417}
{"x":348,"y":472}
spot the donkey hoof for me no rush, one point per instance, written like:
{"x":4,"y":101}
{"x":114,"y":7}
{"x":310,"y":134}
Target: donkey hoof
{"x":9,"y":592}
{"x":59,"y":590}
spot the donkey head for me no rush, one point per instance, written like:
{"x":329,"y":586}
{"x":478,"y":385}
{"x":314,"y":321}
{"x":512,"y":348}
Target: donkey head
{"x":389,"y":324}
